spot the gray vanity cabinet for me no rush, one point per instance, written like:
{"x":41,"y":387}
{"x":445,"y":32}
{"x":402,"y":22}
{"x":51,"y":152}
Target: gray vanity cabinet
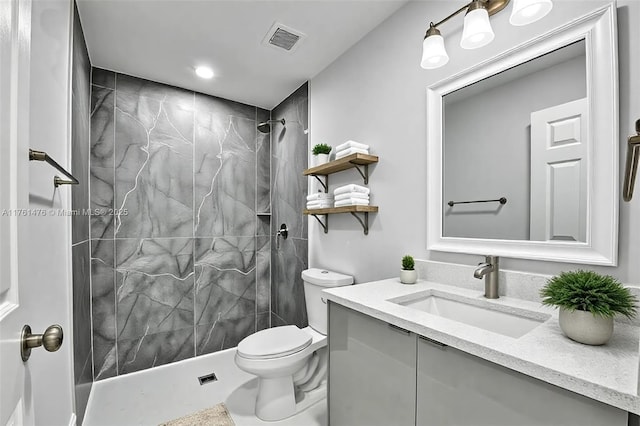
{"x":455,"y":388}
{"x":372,"y":378}
{"x":382,"y":375}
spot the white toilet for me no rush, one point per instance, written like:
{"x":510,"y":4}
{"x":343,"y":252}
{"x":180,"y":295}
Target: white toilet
{"x":292,"y":362}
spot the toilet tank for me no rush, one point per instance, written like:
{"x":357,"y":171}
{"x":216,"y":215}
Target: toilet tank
{"x":316,"y":280}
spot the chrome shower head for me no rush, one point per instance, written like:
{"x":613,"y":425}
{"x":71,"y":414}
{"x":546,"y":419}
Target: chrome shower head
{"x":265,"y":127}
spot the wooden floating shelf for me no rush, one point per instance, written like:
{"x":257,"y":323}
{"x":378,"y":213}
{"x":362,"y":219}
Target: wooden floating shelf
{"x":348,"y":162}
{"x":344,"y":209}
{"x":357,"y":161}
{"x":354,"y":210}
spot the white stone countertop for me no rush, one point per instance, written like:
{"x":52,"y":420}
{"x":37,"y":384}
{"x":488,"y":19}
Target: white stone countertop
{"x":607,"y":373}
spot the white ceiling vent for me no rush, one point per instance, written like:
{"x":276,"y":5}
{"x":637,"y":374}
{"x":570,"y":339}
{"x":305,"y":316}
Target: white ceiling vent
{"x":283,"y":37}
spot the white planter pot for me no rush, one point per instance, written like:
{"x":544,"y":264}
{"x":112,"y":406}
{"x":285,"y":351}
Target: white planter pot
{"x":321,"y":159}
{"x":584,"y":327}
{"x":408,"y":276}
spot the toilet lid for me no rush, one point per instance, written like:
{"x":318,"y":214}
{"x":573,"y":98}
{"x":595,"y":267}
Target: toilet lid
{"x":274,"y":342}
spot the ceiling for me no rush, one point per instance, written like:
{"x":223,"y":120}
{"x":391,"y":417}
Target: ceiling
{"x":164,"y":40}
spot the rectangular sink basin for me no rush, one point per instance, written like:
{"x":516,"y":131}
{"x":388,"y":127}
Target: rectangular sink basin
{"x":475,"y":312}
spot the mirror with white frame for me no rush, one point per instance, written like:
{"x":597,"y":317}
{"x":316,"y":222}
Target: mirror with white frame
{"x":523,"y":150}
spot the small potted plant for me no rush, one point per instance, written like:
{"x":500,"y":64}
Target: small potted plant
{"x":408,"y":275}
{"x":588,"y":302}
{"x":321,"y":153}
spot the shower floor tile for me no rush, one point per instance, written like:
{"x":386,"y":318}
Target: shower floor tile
{"x":150,"y":397}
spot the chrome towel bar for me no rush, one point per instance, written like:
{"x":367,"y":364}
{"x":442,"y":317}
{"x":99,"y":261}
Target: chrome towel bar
{"x":501,"y":200}
{"x":43,"y":156}
{"x":633,"y":157}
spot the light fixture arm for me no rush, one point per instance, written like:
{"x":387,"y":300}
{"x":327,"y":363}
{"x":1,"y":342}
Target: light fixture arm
{"x":492,"y":6}
{"x":495,"y":6}
{"x":463,"y":8}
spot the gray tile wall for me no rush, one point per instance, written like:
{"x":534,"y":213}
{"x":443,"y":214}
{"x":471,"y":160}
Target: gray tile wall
{"x":289,"y":191}
{"x":80,"y":98}
{"x":180,"y":260}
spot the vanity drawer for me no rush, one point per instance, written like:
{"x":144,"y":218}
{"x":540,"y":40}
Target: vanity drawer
{"x":455,"y":388}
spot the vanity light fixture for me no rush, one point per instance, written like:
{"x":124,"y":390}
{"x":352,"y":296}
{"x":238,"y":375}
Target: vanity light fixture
{"x":204,"y":72}
{"x":477,"y":30}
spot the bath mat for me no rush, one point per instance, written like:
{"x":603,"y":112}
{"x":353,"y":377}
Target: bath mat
{"x":217,"y":415}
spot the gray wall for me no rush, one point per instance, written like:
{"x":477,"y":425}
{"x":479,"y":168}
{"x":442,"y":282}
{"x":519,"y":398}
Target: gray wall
{"x":80,"y":99}
{"x":375,"y":93}
{"x":289,"y":147}
{"x":488,"y":155}
{"x":179,"y":258}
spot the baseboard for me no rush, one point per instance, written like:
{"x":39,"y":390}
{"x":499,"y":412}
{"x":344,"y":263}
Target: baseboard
{"x":72,"y":420}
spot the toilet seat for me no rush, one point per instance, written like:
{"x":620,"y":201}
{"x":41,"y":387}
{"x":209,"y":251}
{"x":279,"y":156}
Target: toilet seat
{"x":274,"y":342}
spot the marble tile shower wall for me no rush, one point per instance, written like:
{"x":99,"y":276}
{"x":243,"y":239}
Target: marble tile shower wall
{"x":180,"y":260}
{"x":289,"y":192}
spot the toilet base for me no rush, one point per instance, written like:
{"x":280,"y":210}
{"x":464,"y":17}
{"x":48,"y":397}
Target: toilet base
{"x":276,"y":399}
{"x":311,"y":397}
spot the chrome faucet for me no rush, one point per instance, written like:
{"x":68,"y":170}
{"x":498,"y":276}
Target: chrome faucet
{"x":489,"y":270}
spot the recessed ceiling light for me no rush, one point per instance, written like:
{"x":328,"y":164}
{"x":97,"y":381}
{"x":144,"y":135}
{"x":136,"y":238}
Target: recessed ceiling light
{"x":204,"y":72}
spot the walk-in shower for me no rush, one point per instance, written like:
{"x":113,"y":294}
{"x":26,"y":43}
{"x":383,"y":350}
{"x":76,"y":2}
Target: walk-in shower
{"x":265,"y":127}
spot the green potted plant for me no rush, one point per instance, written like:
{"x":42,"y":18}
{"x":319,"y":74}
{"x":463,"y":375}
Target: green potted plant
{"x":588,"y":302}
{"x":321,"y":153}
{"x":408,"y":275}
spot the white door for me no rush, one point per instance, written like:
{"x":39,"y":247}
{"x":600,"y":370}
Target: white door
{"x":559,"y":148}
{"x":16,"y":406}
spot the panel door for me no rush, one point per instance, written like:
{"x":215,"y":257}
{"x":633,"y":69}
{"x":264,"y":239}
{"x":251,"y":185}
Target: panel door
{"x":16,"y":406}
{"x":559,"y":152}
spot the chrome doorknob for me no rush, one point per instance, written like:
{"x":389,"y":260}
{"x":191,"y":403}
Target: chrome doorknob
{"x":51,"y":340}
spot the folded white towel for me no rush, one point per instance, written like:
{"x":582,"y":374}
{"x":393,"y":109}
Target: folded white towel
{"x":349,"y":151}
{"x":323,"y":203}
{"x":352,"y":187}
{"x":351,"y":144}
{"x":347,"y":195}
{"x":320,"y":206}
{"x":352,"y":202}
{"x":319,"y":196}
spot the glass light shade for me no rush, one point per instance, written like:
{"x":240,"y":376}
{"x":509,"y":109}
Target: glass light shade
{"x":434,"y":54}
{"x":527,"y":11}
{"x":477,"y":30}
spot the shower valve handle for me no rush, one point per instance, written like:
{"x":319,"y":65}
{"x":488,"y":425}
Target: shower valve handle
{"x":283,"y":232}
